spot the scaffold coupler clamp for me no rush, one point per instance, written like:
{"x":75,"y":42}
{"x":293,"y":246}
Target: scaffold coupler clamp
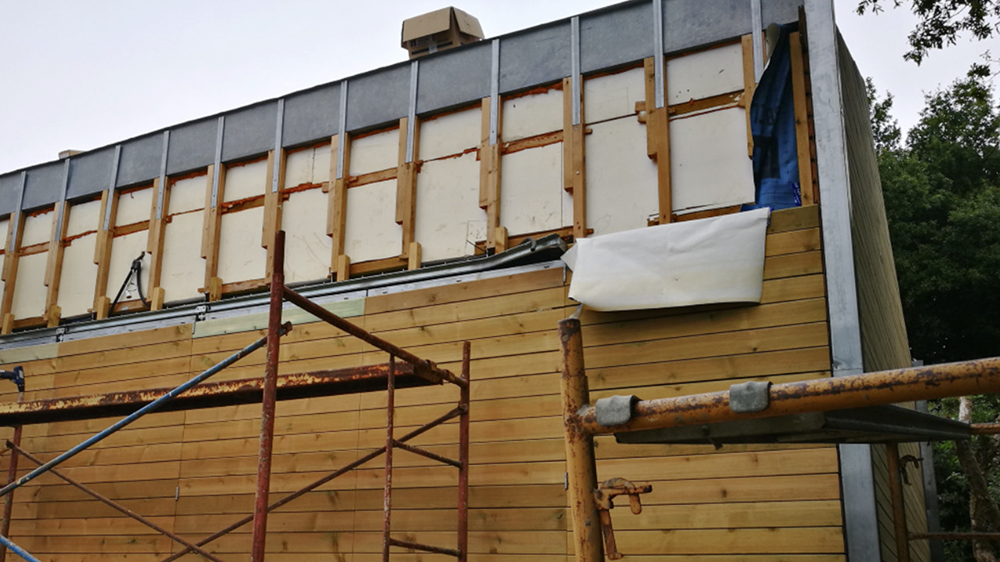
{"x":16,"y":376}
{"x":604,"y":495}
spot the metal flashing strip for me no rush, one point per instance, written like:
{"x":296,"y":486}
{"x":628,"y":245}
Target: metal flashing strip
{"x":15,"y":224}
{"x":111,"y":188}
{"x":62,"y":197}
{"x":541,"y":255}
{"x":658,"y":69}
{"x":758,"y":41}
{"x":411,"y":116}
{"x":217,"y":163}
{"x":343,"y":130}
{"x":162,"y":188}
{"x":279,"y":122}
{"x":575,"y":66}
{"x":495,"y":92}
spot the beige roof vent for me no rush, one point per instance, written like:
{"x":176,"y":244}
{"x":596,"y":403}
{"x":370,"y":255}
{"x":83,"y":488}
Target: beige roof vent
{"x":439,"y":30}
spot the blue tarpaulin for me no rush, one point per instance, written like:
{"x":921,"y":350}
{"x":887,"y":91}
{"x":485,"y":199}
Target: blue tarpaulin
{"x":772,"y":121}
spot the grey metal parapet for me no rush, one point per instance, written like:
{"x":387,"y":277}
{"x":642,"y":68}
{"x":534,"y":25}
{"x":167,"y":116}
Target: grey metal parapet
{"x":609,"y":37}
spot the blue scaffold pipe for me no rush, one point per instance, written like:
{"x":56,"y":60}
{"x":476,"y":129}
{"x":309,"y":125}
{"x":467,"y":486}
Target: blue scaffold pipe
{"x":152,"y":406}
{"x":17,"y":550}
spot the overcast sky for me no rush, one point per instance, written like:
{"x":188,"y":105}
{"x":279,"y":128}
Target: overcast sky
{"x":79,"y":75}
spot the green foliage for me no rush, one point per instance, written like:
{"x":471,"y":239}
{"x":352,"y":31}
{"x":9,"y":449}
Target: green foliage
{"x":942,"y":22}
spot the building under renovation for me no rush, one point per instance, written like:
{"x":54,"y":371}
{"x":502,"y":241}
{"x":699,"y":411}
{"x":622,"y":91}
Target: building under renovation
{"x":708,"y":165}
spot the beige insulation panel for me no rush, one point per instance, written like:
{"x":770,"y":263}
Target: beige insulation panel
{"x":243,"y":182}
{"x":188,"y":194}
{"x":307,"y":247}
{"x":449,"y":220}
{"x":241,"y":257}
{"x":38,"y":228}
{"x":532,"y":197}
{"x":183,"y":266}
{"x":621,"y":179}
{"x":705,"y":74}
{"x":450,"y":134}
{"x":134,"y":206}
{"x":307,"y":166}
{"x":709,"y":166}
{"x":371,"y":231}
{"x":528,"y":116}
{"x":374,"y":152}
{"x":613,"y":96}
{"x":124,"y":249}
{"x":29,"y":289}
{"x":79,"y":272}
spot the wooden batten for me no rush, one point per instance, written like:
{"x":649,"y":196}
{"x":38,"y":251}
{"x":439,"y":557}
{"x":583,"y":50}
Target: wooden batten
{"x":53,"y":267}
{"x":406,"y":186}
{"x":272,"y":203}
{"x":413,"y":256}
{"x":501,"y":239}
{"x":154,"y":244}
{"x":574,"y":169}
{"x":337,"y":211}
{"x":802,"y":140}
{"x":489,"y":171}
{"x":749,"y":86}
{"x":211,"y":232}
{"x":10,"y":262}
{"x":658,"y":140}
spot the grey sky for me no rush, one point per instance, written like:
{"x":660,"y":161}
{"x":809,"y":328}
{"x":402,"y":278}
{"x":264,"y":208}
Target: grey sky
{"x":85,"y":74}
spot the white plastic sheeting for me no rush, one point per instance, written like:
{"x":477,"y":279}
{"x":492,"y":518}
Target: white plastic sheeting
{"x":714,"y":260}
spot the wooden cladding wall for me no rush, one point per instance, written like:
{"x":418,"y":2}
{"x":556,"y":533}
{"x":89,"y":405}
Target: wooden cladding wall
{"x":193,"y":472}
{"x":400,"y":201}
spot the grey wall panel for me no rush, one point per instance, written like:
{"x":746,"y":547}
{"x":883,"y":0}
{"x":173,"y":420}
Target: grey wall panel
{"x":689,"y":23}
{"x":311,"y":115}
{"x":90,"y":173}
{"x":780,"y":11}
{"x":611,"y":38}
{"x":535,"y":57}
{"x":140,"y":159}
{"x":379,"y":97}
{"x":454,"y":77}
{"x":192,"y":146}
{"x":44,"y":185}
{"x":9,"y":186}
{"x":249,"y":131}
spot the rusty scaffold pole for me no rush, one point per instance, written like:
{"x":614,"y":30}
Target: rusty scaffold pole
{"x":17,"y":377}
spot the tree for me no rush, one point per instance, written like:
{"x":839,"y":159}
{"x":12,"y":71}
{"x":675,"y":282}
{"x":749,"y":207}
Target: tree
{"x":942,"y":194}
{"x":943,"y":21}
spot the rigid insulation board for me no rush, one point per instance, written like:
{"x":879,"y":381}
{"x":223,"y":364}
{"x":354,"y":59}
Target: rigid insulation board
{"x":307,"y":247}
{"x":372,"y":232}
{"x":372,"y":153}
{"x":79,"y":272}
{"x":29,"y":288}
{"x":194,"y":471}
{"x":531,"y":192}
{"x":241,"y":257}
{"x":449,"y":221}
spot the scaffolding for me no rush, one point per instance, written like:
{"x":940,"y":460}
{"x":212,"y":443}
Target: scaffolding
{"x":196,"y":393}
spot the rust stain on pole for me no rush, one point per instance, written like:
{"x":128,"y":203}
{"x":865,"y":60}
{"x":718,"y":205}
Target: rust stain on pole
{"x":463,"y":457}
{"x":390,"y":410}
{"x":8,"y":502}
{"x":580,"y":462}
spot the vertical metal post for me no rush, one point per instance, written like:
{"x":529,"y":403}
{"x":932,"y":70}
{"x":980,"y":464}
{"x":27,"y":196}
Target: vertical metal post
{"x":8,"y":505}
{"x":389,"y":442}
{"x":463,"y":458}
{"x":269,"y":399}
{"x":581,"y":466}
{"x":898,"y":507}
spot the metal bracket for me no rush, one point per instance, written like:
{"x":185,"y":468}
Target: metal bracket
{"x":604,"y":496}
{"x":615,"y":410}
{"x":902,"y":466}
{"x":749,"y":397}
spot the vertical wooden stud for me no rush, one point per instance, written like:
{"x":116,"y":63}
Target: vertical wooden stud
{"x":337,"y":213}
{"x":10,"y":263}
{"x":53,"y":267}
{"x":489,"y":172}
{"x":272,"y":203}
{"x":574,"y":171}
{"x":210,"y":237}
{"x":501,"y":239}
{"x":102,"y":253}
{"x":801,"y":119}
{"x":154,"y":244}
{"x":406,"y":185}
{"x":658,"y":141}
{"x":413,"y":256}
{"x":749,"y":86}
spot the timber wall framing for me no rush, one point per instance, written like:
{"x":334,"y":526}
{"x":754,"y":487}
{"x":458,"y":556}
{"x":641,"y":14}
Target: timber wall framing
{"x":193,"y":471}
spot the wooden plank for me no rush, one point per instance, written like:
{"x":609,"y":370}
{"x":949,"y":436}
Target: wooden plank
{"x":10,"y":262}
{"x":53,"y":267}
{"x":806,"y":540}
{"x":574,"y":168}
{"x":489,"y":172}
{"x":802,"y":141}
{"x":749,"y":86}
{"x":154,"y":245}
{"x":793,"y":242}
{"x":795,"y":218}
{"x":805,"y":263}
{"x":658,"y":141}
{"x":337,"y":227}
{"x":406,"y":188}
{"x":272,"y":205}
{"x":212,"y":231}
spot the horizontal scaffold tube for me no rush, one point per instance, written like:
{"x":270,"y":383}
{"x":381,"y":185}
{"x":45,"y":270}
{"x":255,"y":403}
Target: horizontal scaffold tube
{"x":966,"y":378}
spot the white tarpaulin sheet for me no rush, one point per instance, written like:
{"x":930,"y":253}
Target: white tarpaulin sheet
{"x":713,"y":260}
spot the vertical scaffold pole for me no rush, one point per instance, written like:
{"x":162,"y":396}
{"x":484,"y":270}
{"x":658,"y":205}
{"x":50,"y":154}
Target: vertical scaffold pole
{"x":463,"y":458}
{"x":581,"y":466}
{"x":390,"y":410}
{"x":8,"y":501}
{"x":898,"y":507}
{"x":269,"y":399}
